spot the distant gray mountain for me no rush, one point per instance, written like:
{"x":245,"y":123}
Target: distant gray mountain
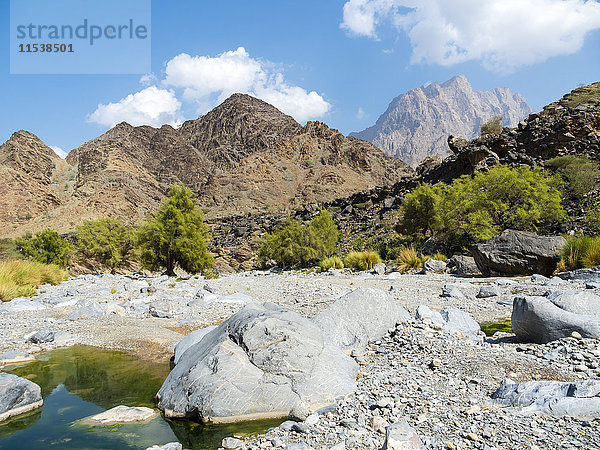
{"x":417,"y":124}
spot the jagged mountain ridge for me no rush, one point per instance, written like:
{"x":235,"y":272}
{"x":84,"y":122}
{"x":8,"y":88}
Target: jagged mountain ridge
{"x":245,"y":155}
{"x":416,"y":124}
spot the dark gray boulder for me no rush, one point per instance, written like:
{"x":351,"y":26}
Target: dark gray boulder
{"x":463,"y":265}
{"x":579,"y":399}
{"x":259,"y":363}
{"x":433,"y":266}
{"x":545,"y":319}
{"x":17,"y":396}
{"x":518,"y":253}
{"x":592,"y":274}
{"x":361,"y":316}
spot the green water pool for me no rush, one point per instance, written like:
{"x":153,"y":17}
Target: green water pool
{"x":81,"y":381}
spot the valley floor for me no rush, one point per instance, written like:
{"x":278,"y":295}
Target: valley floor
{"x":439,"y":381}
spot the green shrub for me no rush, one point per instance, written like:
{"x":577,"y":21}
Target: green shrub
{"x":490,"y":328}
{"x":476,"y":208}
{"x":21,"y":278}
{"x":332,"y":262}
{"x":409,"y":258}
{"x":210,"y":274}
{"x":492,"y":126}
{"x":295,"y":244}
{"x":8,"y":249}
{"x":580,"y":252}
{"x":106,"y":241}
{"x":362,"y":260}
{"x":439,"y":257}
{"x":581,"y":174}
{"x":47,"y":247}
{"x":175,"y":234}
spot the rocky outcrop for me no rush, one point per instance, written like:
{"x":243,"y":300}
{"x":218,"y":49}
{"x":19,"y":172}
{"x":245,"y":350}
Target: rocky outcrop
{"x":17,"y":396}
{"x":261,"y":362}
{"x":518,"y":253}
{"x":121,"y":414}
{"x":580,"y":399}
{"x":361,"y":316}
{"x":545,"y":319}
{"x":416,"y":125}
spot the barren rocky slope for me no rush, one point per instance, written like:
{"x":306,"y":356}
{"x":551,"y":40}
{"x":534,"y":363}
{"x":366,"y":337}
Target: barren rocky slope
{"x":416,"y":124}
{"x":245,"y":155}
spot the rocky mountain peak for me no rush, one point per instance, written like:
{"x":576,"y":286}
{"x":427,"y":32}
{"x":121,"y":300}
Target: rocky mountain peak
{"x":26,"y":152}
{"x":417,"y":124}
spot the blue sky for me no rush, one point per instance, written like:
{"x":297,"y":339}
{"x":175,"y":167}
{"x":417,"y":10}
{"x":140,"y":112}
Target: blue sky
{"x":338,"y":61}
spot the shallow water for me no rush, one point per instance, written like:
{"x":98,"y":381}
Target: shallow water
{"x":81,"y":381}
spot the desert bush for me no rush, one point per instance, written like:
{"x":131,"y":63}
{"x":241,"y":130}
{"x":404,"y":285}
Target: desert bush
{"x":295,"y":244}
{"x":581,"y":174}
{"x":332,"y":262}
{"x":409,"y":258}
{"x":492,"y":126}
{"x":580,"y":252}
{"x":20,"y":278}
{"x":107,"y":241}
{"x":365,"y":260}
{"x":439,"y":257}
{"x":8,"y":249}
{"x":476,"y":208}
{"x":175,"y":234}
{"x":47,"y":247}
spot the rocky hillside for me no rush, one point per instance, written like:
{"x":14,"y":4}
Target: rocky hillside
{"x":416,"y":124}
{"x":27,"y":171}
{"x":245,"y":155}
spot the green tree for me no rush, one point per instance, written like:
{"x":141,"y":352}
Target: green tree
{"x":324,"y":234}
{"x":295,"y":244}
{"x":46,"y":247}
{"x":420,"y":209}
{"x":476,"y":208}
{"x":580,"y":174}
{"x":107,"y":241}
{"x":492,"y":126}
{"x":175,"y":234}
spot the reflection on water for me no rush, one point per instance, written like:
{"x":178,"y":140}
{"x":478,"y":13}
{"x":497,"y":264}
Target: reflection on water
{"x":81,"y":381}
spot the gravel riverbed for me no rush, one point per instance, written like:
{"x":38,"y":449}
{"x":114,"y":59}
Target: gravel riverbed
{"x":439,"y":381}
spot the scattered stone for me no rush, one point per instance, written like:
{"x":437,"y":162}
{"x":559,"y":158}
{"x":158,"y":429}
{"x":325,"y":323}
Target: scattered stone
{"x":17,"y":396}
{"x":169,"y":446}
{"x":463,"y":265}
{"x":361,"y":316}
{"x":231,"y":443}
{"x":545,"y":319}
{"x":578,"y":399}
{"x":260,"y":362}
{"x":121,"y":414}
{"x":433,"y":266}
{"x":379,"y":269}
{"x":518,"y":253}
{"x":451,"y":290}
{"x":401,"y":436}
{"x":488,"y":291}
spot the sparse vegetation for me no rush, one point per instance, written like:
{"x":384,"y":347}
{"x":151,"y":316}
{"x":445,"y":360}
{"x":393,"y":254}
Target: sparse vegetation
{"x":409,"y":258}
{"x":106,"y":241}
{"x":365,"y":260}
{"x":47,"y":247}
{"x":175,"y":234}
{"x":296,"y":244}
{"x":492,"y":126}
{"x":580,"y":252}
{"x":490,"y":328}
{"x":581,"y":174}
{"x":473,"y":209}
{"x":332,"y":262}
{"x":21,"y":278}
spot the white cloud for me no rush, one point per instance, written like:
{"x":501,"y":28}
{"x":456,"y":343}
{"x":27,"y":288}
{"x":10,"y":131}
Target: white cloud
{"x":207,"y":81}
{"x":503,"y":34}
{"x":150,"y":106}
{"x":148,"y":79}
{"x":360,"y":114}
{"x":59,"y":151}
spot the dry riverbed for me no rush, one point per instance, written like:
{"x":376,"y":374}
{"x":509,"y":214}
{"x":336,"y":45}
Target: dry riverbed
{"x":439,"y":381}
